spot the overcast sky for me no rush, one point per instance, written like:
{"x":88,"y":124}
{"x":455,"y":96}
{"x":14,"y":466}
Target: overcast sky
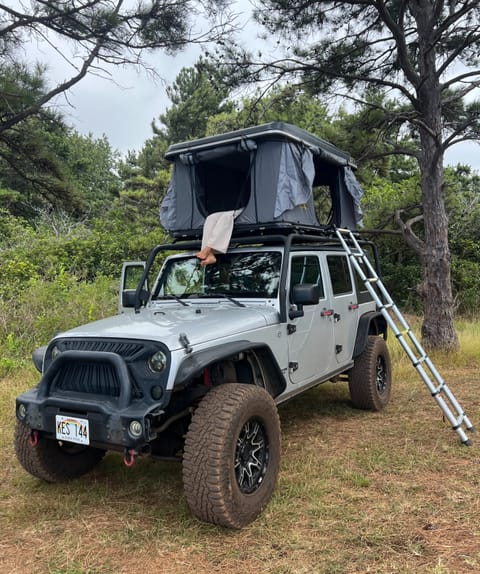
{"x":123,"y":107}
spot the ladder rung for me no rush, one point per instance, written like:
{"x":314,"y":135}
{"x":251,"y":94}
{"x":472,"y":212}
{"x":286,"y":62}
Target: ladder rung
{"x":402,"y":333}
{"x":439,"y":389}
{"x":420,"y":360}
{"x":458,"y":425}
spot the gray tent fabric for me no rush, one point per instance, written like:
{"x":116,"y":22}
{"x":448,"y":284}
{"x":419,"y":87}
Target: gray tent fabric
{"x":268,"y":172}
{"x":282,"y":186}
{"x":356,"y":192}
{"x":295,"y":179}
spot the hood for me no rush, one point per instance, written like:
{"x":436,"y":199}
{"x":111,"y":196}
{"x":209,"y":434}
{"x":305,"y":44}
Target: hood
{"x":200,"y":323}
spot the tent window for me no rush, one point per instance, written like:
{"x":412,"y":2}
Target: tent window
{"x":223,"y":184}
{"x":322,"y":200}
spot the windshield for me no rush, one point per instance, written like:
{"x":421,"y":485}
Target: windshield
{"x":246,"y":274}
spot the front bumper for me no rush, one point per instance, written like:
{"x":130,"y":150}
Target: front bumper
{"x":109,"y":411}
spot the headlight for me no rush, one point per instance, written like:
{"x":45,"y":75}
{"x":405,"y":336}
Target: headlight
{"x":55,"y":352}
{"x":157,"y":362}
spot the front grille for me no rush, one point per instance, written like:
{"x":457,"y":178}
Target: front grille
{"x":81,"y":375}
{"x":90,"y":378}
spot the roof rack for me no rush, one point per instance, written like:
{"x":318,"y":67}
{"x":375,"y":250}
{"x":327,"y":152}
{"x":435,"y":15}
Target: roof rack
{"x":264,"y":229}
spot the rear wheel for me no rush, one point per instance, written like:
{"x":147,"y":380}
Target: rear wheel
{"x":52,"y":460}
{"x":370,"y":379}
{"x":232,"y":455}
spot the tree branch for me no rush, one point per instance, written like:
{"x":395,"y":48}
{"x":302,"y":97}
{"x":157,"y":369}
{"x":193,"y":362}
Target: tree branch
{"x":408,"y":234}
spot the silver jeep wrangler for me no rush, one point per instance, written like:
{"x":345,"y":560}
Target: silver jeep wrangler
{"x":193,"y":366}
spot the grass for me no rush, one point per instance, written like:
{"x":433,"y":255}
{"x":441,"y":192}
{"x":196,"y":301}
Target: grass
{"x":390,"y":492}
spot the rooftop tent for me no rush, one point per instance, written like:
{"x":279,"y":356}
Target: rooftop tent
{"x":266,"y":171}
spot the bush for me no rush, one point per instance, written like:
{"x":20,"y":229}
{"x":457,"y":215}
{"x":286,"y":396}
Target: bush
{"x":466,"y":285}
{"x":31,"y":317}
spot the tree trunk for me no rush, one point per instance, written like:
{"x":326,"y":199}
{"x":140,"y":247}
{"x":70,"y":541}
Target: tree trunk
{"x":438,"y":330}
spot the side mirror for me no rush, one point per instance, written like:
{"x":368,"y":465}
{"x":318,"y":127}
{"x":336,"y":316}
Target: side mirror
{"x":132,"y":272}
{"x":306,"y":294}
{"x":128,"y":298}
{"x":38,"y":356}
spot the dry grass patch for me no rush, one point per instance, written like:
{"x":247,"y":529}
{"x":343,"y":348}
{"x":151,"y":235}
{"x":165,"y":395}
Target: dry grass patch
{"x":390,"y":492}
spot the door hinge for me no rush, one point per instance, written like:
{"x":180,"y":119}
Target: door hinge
{"x":291,"y":329}
{"x":338,"y":349}
{"x":293,"y":366}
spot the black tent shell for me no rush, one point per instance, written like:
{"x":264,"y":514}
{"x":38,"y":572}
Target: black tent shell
{"x":267,"y":172}
{"x":273,"y":131}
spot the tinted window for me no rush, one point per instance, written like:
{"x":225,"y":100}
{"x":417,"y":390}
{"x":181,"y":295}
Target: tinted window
{"x":306,"y":269}
{"x":339,"y":274}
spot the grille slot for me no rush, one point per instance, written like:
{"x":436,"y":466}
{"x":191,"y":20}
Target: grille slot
{"x":90,"y":378}
{"x":125,"y":349}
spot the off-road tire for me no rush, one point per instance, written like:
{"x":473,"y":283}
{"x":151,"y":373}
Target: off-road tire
{"x":234,"y":431}
{"x":370,"y":379}
{"x":51,"y":460}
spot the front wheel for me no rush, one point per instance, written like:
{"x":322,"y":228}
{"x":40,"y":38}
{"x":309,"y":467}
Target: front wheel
{"x":370,"y":379}
{"x":232,"y":455}
{"x":52,"y":460}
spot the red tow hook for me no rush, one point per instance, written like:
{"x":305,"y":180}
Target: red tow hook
{"x":129,"y":457}
{"x":33,"y":438}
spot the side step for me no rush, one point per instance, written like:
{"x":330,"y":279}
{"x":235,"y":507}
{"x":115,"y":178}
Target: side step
{"x":416,"y":353}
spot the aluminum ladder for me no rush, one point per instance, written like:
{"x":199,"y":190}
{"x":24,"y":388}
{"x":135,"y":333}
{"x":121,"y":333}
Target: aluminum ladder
{"x":402,"y":331}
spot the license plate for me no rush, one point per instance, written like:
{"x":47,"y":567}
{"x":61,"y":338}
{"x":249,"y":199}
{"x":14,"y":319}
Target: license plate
{"x":72,"y":429}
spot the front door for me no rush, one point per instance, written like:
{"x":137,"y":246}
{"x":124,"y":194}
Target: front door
{"x":311,"y":339}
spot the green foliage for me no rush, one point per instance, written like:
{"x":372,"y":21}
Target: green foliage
{"x":91,"y":166}
{"x":31,"y":316}
{"x":285,"y":104}
{"x":20,"y":86}
{"x":45,"y":165}
{"x":32,"y":177}
{"x":197,"y":94}
{"x":466,"y":285}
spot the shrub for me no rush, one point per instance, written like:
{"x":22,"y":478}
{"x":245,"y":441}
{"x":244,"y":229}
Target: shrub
{"x":30,"y":317}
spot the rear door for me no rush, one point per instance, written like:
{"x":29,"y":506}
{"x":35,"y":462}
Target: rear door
{"x":345,"y":306}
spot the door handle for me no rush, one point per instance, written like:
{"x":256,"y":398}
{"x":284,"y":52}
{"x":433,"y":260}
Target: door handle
{"x":327,"y":313}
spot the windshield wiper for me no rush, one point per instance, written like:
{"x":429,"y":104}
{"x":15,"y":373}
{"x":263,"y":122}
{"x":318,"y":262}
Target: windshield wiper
{"x":217,"y":295}
{"x":229,"y":297}
{"x":172,"y":296}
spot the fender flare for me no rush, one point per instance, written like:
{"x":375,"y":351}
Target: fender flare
{"x":196,"y":362}
{"x":371,"y":323}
